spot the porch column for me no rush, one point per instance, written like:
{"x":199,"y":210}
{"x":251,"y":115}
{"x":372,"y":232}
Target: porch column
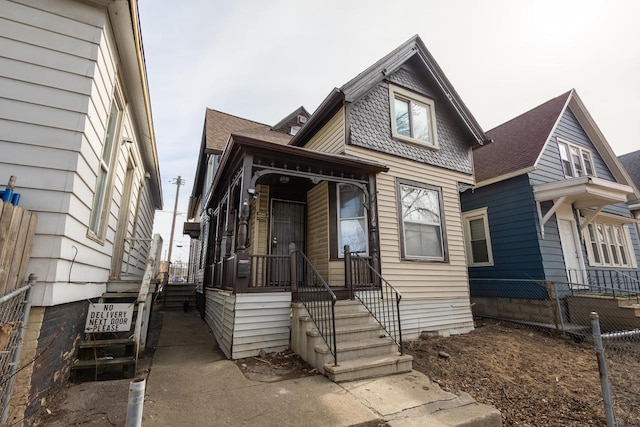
{"x":229,"y":223}
{"x":373,"y":224}
{"x":244,"y":202}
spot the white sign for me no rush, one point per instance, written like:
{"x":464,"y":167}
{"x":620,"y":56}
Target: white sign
{"x":109,"y":317}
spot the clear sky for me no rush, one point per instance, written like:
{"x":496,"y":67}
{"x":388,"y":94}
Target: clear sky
{"x":261,"y":59}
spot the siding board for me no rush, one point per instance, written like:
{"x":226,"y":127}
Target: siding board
{"x":330,"y":139}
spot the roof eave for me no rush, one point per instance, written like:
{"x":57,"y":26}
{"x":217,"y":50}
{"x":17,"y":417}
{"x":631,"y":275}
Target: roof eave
{"x":126,"y":23}
{"x":604,"y":149}
{"x":360,"y":84}
{"x":323,"y":113}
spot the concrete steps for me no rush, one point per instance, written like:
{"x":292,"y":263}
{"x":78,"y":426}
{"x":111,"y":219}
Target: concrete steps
{"x":363,"y":348}
{"x":176,"y":295}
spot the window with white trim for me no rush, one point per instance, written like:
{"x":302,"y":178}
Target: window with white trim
{"x":109,"y":148}
{"x":413,"y":117}
{"x":352,"y":220}
{"x":421,"y":222}
{"x":477,"y":238}
{"x":576,"y":161}
{"x":608,"y":245}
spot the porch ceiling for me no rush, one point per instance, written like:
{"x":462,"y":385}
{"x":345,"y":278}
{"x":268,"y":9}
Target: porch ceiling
{"x":583,"y":192}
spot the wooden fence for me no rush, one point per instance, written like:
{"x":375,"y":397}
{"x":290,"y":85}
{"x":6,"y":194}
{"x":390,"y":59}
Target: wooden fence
{"x":17,"y":228}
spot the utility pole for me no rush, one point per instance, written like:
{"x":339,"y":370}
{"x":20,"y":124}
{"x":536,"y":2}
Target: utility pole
{"x":178,"y":182}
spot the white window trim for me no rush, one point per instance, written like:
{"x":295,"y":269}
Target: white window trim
{"x":581,"y":150}
{"x":100,"y":233}
{"x":398,"y":92}
{"x":467,"y":217}
{"x":626,"y":236}
{"x":339,"y":229}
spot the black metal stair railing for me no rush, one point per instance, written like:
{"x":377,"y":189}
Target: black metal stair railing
{"x":378,"y":296}
{"x":618,"y":283}
{"x":317,"y":297}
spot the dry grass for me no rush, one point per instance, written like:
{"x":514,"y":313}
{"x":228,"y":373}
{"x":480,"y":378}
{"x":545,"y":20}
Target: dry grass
{"x":533,"y":378}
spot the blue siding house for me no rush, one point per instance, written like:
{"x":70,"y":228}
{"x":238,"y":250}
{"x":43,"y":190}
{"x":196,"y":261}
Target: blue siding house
{"x":631,"y":162}
{"x":551,"y":204}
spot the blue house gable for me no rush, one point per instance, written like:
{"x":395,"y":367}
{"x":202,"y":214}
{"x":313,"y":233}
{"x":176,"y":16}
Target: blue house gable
{"x":550,"y":204}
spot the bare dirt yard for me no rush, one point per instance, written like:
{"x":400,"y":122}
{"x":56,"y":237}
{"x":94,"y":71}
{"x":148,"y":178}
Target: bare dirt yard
{"x":533,"y":378}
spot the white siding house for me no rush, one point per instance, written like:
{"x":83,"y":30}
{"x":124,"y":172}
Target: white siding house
{"x":76,"y":130}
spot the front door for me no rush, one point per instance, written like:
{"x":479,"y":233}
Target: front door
{"x":571,"y":252}
{"x":287,"y":226}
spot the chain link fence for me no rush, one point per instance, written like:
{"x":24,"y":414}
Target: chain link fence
{"x":565,"y":309}
{"x":14,"y":311}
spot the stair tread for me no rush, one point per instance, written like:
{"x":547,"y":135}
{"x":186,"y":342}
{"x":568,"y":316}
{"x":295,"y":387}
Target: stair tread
{"x":356,"y":345}
{"x":349,"y":329}
{"x":339,"y":316}
{"x":366,"y":362}
{"x":89,"y":363}
{"x":120,"y":295}
{"x":106,"y":343}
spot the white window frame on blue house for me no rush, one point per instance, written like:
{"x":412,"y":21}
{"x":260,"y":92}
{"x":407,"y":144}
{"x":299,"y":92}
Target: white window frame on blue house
{"x":477,"y":215}
{"x":609,"y":245}
{"x":574,"y":166}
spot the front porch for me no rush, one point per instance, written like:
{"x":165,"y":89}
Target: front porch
{"x":293,"y":226}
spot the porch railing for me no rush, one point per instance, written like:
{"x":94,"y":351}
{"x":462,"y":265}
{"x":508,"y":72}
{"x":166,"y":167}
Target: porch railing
{"x":269,"y":271}
{"x":616,"y":282}
{"x":317,"y":297}
{"x":377,"y":295}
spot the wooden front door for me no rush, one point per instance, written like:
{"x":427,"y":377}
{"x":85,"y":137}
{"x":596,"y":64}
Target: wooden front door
{"x":287,"y":226}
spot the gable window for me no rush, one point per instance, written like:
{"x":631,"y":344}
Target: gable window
{"x":413,"y":117}
{"x":477,"y":238}
{"x":98,"y":210}
{"x":576,"y":161}
{"x":352,"y":220}
{"x":421,"y":222}
{"x":608,"y":245}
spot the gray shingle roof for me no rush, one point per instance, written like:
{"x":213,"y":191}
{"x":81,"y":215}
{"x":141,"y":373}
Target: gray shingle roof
{"x":517,"y":143}
{"x":631,"y":162}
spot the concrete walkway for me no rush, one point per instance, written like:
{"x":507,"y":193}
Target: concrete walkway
{"x":192,"y":384}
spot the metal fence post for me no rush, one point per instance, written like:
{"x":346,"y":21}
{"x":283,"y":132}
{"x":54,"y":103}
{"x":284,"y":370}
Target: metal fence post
{"x":602,"y":368}
{"x":17,"y":355}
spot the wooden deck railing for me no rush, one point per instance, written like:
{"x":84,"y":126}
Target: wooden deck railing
{"x":269,"y":271}
{"x":17,"y":229}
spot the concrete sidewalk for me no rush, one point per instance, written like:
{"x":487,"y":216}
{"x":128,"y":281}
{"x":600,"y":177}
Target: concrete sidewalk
{"x":192,"y":384}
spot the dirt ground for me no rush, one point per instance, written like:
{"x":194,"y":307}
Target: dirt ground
{"x":101,"y":403}
{"x":532,"y":377}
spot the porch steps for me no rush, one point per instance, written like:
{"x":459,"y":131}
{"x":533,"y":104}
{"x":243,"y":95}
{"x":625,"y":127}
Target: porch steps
{"x":108,"y":355}
{"x":364,"y":350}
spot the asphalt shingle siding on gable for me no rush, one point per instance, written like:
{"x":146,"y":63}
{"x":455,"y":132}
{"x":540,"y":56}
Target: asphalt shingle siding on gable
{"x":370,"y":127}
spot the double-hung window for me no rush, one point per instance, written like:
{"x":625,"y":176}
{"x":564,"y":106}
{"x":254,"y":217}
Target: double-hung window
{"x":98,"y":210}
{"x":352,"y":220}
{"x":477,"y":238}
{"x":413,"y":117}
{"x":421,"y":222}
{"x":576,"y":161}
{"x":608,"y":245}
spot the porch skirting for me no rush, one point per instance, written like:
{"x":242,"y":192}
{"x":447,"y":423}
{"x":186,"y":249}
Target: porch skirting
{"x":244,"y":324}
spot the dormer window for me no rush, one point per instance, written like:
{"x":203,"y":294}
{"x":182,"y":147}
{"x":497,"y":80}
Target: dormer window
{"x":413,"y":117}
{"x":576,"y":161}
